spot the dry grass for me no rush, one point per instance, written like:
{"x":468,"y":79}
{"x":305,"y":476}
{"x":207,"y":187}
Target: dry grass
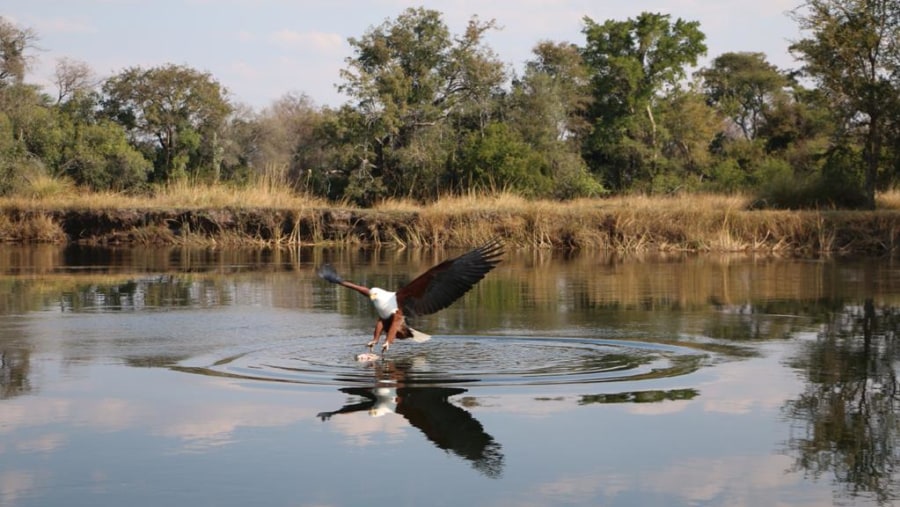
{"x":37,"y":227}
{"x":630,"y":223}
{"x":269,"y":214}
{"x":56,"y":196}
{"x":636,"y":224}
{"x":889,"y":200}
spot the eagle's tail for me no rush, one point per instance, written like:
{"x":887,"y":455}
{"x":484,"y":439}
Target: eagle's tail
{"x":419,"y":336}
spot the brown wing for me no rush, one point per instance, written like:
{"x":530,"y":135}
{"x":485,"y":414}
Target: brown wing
{"x":443,"y":284}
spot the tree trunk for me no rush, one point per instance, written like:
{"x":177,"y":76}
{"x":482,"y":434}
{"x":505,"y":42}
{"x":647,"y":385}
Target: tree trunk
{"x":653,"y":144}
{"x":871,"y":158}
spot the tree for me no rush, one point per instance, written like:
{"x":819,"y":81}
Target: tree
{"x":552,"y":97}
{"x":14,"y":44}
{"x":853,"y":54}
{"x":632,"y":63}
{"x":688,"y":127}
{"x":415,"y":85}
{"x":547,"y":106}
{"x":98,"y":156}
{"x":743,"y":86}
{"x":16,"y":100}
{"x":500,"y":159}
{"x":175,"y":111}
{"x":72,"y":78}
{"x":290,"y":138}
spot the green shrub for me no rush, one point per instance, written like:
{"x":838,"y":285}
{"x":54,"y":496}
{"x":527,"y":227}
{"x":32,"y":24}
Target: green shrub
{"x":837,"y":185}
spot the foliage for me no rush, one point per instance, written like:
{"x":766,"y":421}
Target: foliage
{"x":743,"y":86}
{"x":687,"y":129}
{"x":177,"y":110}
{"x":500,"y":159}
{"x":853,"y":54}
{"x":100,"y":158}
{"x":633,"y":65}
{"x":547,"y":108}
{"x":414,"y":85}
{"x":837,"y":185}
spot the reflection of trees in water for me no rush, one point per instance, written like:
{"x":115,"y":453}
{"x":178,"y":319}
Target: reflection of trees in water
{"x":766,"y":319}
{"x":112,"y":293}
{"x":651,"y":396}
{"x":15,"y":368}
{"x":847,"y":420}
{"x":148,"y":292}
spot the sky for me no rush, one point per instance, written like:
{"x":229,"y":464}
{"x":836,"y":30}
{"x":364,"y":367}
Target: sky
{"x":264,"y":49}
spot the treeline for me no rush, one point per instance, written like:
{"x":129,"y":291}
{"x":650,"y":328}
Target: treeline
{"x":434,"y":113}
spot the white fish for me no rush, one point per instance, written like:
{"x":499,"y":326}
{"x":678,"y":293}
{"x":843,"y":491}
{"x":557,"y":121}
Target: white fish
{"x":367,"y":356}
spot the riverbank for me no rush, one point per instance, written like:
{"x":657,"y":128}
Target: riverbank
{"x":701,"y":223}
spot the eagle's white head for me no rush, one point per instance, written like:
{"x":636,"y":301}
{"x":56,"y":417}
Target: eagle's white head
{"x":385,"y":301}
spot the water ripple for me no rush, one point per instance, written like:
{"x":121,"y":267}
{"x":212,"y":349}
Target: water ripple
{"x":486,"y":360}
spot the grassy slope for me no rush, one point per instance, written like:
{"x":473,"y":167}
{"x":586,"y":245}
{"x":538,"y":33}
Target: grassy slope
{"x":268,"y":214}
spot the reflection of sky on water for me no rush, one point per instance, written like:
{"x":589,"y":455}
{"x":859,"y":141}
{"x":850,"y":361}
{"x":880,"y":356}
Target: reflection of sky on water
{"x":101,"y":426}
{"x":738,"y":481}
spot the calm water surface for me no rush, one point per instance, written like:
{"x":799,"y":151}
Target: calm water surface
{"x":184,"y":377}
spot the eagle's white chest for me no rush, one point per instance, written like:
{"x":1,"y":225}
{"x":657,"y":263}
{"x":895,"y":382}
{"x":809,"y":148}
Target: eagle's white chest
{"x":385,"y":302}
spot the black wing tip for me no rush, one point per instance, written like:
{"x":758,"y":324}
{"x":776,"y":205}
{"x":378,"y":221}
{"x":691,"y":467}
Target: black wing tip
{"x":492,"y":250}
{"x":327,"y":272}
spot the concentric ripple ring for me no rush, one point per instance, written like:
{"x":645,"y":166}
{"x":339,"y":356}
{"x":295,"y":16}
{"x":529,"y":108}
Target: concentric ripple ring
{"x":485,"y":360}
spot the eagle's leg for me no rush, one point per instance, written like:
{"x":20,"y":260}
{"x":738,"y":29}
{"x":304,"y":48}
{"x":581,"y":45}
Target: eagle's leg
{"x":397,"y":322}
{"x":379,"y":328}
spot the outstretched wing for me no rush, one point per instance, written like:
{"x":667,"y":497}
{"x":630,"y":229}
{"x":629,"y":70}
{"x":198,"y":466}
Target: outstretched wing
{"x":327,"y":272}
{"x":443,"y":284}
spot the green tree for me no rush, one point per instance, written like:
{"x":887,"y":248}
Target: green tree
{"x":799,"y":124}
{"x":687,"y":128}
{"x":94,"y":150}
{"x":415,"y":85}
{"x":499,"y":158}
{"x":34,"y":123}
{"x":547,"y":106}
{"x":743,"y":86}
{"x":349,"y":173}
{"x":633,"y":63}
{"x":27,"y":130}
{"x":175,"y":112}
{"x":99,"y":156}
{"x":853,"y":53}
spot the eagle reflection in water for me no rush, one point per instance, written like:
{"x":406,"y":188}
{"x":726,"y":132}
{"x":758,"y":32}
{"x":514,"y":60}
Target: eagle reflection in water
{"x":429,"y":409}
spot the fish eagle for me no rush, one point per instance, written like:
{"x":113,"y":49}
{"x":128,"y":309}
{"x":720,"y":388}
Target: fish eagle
{"x":431,"y":291}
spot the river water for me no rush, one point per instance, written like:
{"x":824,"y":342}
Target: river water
{"x":161,"y":376}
